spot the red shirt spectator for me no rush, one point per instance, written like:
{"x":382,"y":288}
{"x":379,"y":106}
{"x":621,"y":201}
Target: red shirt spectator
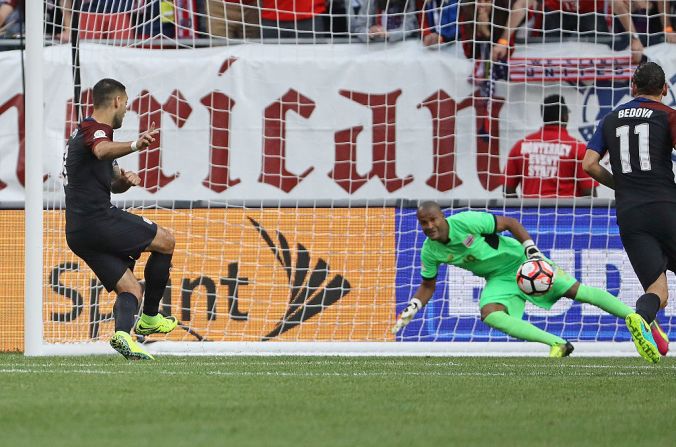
{"x":548,"y":163}
{"x":291,"y":10}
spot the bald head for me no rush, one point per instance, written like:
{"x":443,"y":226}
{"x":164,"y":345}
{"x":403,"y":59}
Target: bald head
{"x":429,"y":206}
{"x":432,"y":221}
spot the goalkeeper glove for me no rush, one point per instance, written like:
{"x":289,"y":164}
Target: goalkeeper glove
{"x":407,"y":315}
{"x":531,"y":250}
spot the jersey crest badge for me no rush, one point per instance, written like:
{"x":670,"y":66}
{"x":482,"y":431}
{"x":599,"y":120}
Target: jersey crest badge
{"x":99,"y":134}
{"x":469,"y":240}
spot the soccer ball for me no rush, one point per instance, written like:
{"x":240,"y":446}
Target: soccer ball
{"x":535,"y":277}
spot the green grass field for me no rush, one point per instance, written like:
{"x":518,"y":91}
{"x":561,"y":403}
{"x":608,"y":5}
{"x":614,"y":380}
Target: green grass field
{"x":336,"y":401}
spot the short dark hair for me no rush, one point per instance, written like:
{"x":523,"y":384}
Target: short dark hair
{"x":554,"y":109}
{"x":429,"y":205}
{"x":649,"y":79}
{"x":105,"y":90}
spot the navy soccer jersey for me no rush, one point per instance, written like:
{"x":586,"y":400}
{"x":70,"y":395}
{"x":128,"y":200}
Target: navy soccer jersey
{"x":87,"y":179}
{"x":639,"y":136}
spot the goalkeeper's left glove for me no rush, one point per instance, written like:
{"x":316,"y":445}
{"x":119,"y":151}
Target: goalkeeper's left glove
{"x":531,"y":250}
{"x":407,"y":315}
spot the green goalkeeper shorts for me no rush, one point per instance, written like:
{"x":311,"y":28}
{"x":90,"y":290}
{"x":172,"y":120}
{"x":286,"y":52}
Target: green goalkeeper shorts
{"x":503,"y":289}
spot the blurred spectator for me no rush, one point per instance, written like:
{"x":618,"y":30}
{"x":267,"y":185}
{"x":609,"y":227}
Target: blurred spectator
{"x":642,"y":23}
{"x":100,"y":19}
{"x":57,"y":20}
{"x":292,"y":18}
{"x":385,"y":20}
{"x":155,"y":18}
{"x":439,"y":21}
{"x":335,"y":21}
{"x":548,"y":163}
{"x":235,"y":19}
{"x":487,"y":27}
{"x":11,"y":17}
{"x":573,"y":18}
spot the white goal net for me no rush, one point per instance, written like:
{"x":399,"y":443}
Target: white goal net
{"x":294,"y":146}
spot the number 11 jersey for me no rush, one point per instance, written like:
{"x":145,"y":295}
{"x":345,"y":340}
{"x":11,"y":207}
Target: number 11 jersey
{"x":639,"y":136}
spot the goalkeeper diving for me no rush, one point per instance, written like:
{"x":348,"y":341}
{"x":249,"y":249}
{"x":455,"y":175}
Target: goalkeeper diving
{"x":471,"y":241}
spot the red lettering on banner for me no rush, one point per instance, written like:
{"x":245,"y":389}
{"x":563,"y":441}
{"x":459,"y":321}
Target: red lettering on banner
{"x":149,"y":111}
{"x":443,"y":110}
{"x":383,"y":109}
{"x":487,"y":138}
{"x":345,"y":171}
{"x":442,"y":107}
{"x":274,"y":170}
{"x":226,"y":64}
{"x":177,"y":108}
{"x":219,"y":106}
{"x":17,"y":102}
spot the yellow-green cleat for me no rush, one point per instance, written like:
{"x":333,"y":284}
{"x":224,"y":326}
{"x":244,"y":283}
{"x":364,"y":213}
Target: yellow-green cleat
{"x":561,"y":350}
{"x":125,"y":345}
{"x":159,"y":324}
{"x":643,"y":337}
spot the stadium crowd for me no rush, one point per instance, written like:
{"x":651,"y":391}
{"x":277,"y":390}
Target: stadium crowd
{"x":620,"y":23}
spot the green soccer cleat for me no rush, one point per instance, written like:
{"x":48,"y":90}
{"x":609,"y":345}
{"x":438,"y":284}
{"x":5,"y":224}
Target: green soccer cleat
{"x":159,"y":324}
{"x":561,"y":350}
{"x":643,"y":337}
{"x":123,"y":343}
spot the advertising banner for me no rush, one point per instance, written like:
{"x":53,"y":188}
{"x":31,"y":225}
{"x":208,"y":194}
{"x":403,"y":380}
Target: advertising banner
{"x":246,"y":275}
{"x":237,"y":275}
{"x":11,"y":279}
{"x":292,"y":122}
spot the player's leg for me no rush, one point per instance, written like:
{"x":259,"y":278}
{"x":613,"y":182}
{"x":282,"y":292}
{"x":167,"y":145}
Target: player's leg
{"x":502,"y":308}
{"x":667,"y":239}
{"x":599,"y":298}
{"x":156,"y":275}
{"x":128,"y":290}
{"x":496,"y":316}
{"x":649,"y":262}
{"x":131,"y":236}
{"x":661,"y":289}
{"x":114,"y":273}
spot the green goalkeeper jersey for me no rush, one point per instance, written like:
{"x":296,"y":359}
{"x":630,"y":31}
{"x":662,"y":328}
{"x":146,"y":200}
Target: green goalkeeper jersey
{"x":473,"y":246}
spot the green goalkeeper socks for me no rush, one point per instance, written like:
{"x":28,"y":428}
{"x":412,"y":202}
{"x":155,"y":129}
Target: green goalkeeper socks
{"x":523,"y":330}
{"x":602,"y":299}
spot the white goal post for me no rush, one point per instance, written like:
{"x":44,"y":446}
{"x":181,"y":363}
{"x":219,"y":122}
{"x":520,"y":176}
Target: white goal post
{"x":290,"y":170}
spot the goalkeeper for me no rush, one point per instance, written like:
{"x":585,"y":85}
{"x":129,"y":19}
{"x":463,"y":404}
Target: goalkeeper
{"x":470,"y":240}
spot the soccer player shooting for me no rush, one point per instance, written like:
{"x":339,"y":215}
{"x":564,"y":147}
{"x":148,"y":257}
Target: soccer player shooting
{"x":640,"y":136}
{"x":108,"y":239}
{"x":472,"y":241}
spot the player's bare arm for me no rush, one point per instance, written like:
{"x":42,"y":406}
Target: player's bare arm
{"x":592,"y":166}
{"x":123,"y":180}
{"x":419,"y":300}
{"x":110,"y":150}
{"x":426,"y":290}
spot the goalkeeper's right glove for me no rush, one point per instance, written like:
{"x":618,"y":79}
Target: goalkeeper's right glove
{"x":407,"y":315}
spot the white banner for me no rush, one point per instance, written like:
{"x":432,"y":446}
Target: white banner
{"x":306,"y":121}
